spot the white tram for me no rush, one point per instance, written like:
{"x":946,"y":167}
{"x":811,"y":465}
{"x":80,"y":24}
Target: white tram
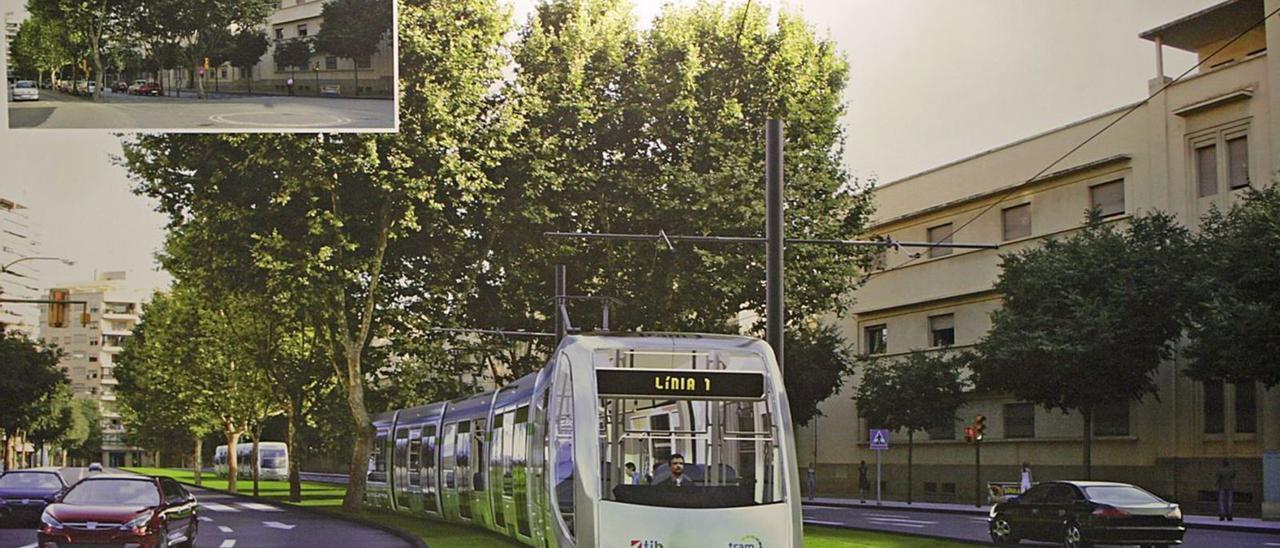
{"x":543,"y":459}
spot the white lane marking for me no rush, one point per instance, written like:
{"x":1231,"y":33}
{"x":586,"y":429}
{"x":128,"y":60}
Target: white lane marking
{"x":225,"y":529}
{"x":1268,"y":544}
{"x":820,"y":522}
{"x":259,"y":506}
{"x":984,"y":520}
{"x":227,"y":543}
{"x":900,"y":516}
{"x":278,"y":525}
{"x":895,"y":524}
{"x":202,"y":518}
{"x":902,"y":520}
{"x":219,"y":507}
{"x":32,"y":545}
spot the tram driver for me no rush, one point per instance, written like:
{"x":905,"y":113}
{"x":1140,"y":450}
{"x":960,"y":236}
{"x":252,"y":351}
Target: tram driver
{"x":675,"y":463}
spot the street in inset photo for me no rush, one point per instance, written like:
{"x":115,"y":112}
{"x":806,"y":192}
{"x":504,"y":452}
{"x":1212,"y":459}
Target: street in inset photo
{"x":227,"y":65}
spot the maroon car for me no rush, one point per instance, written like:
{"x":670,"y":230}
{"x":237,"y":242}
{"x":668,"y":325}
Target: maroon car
{"x":121,"y":509}
{"x":149,"y":88}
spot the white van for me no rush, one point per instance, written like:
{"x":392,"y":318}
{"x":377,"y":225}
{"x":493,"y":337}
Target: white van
{"x":273,"y":460}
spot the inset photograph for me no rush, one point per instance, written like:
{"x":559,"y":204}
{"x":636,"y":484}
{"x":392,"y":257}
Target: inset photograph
{"x":215,"y":66}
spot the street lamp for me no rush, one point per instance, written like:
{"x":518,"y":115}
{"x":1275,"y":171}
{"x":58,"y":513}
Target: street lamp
{"x":5,"y":268}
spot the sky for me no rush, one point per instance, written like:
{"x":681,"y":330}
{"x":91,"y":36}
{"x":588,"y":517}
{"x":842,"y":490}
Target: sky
{"x":931,"y":81}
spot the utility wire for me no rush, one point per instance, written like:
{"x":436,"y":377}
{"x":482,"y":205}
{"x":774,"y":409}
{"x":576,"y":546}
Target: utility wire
{"x":1006,"y":194}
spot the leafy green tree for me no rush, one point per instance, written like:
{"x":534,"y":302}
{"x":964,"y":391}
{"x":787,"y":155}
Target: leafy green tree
{"x":354,"y":29}
{"x":818,"y":362}
{"x":43,"y":45}
{"x":32,"y":381}
{"x":915,"y":392}
{"x":623,"y":131}
{"x":1089,"y":318}
{"x":56,"y":420}
{"x":344,"y":224}
{"x":247,"y":49}
{"x":294,"y":53}
{"x":1232,"y":330}
{"x":84,"y":441}
{"x":99,"y":21}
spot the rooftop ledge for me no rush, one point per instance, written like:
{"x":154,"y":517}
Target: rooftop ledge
{"x":1209,"y":25}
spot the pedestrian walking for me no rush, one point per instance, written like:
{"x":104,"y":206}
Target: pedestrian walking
{"x":811,"y":480}
{"x":1024,"y":484}
{"x":289,"y":83}
{"x":1226,"y":487}
{"x":863,"y":482}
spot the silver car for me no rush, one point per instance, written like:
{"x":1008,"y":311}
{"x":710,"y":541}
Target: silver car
{"x":24,"y":90}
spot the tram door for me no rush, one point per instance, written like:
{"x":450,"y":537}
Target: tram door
{"x":537,"y":446}
{"x":449,"y":472}
{"x":413,"y":489}
{"x":462,"y":471}
{"x":499,"y":470}
{"x":430,"y":482}
{"x":517,"y":490}
{"x":400,"y":472}
{"x":480,"y":505}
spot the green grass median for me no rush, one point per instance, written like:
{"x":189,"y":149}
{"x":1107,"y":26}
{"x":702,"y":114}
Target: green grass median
{"x":327,"y":497}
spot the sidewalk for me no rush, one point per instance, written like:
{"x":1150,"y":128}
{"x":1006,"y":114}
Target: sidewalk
{"x":1246,"y":525}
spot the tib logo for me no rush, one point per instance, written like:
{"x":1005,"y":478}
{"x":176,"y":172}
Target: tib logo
{"x":646,"y":544}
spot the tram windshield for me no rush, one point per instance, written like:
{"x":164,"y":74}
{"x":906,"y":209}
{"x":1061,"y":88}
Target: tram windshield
{"x":709,"y":407}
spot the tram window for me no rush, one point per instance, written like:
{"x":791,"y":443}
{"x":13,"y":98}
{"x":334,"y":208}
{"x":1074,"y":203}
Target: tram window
{"x":520,"y":469}
{"x":562,"y":434}
{"x":415,"y":462}
{"x":378,"y":460}
{"x":447,"y":459}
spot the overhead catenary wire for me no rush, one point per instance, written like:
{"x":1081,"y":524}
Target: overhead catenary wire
{"x":1011,"y":190}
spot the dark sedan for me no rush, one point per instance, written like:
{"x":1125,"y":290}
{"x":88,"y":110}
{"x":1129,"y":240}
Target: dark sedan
{"x":121,"y":509}
{"x":24,"y":493}
{"x":1080,"y":514}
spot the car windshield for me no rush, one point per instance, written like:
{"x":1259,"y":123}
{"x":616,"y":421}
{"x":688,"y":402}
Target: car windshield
{"x":1120,"y":495}
{"x":113,"y":491}
{"x":30,"y":480}
{"x":25,"y":84}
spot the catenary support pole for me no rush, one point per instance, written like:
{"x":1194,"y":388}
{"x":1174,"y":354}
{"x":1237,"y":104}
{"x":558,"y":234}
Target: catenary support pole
{"x":878,"y":481}
{"x":977,"y":472}
{"x":561,"y":328}
{"x":775,"y":312}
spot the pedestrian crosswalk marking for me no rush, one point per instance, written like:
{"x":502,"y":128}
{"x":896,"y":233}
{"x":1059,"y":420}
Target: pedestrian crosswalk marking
{"x":259,"y":506}
{"x":219,"y":507}
{"x":225,"y":529}
{"x":202,"y":518}
{"x":229,"y":543}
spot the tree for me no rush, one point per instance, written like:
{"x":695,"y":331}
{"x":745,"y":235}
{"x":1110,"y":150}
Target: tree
{"x":43,"y":45}
{"x":354,"y":29}
{"x":32,"y":381}
{"x":98,"y":20}
{"x":340,"y":223}
{"x":818,"y":361}
{"x":1089,"y":318}
{"x":84,"y":443}
{"x":293,"y":53}
{"x":1232,"y":329}
{"x":54,"y":422}
{"x":918,"y":391}
{"x":623,"y":131}
{"x":245,"y":52}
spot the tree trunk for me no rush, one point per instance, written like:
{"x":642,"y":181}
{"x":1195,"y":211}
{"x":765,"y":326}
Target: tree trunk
{"x":1088,"y":442}
{"x":198,"y":458}
{"x":95,"y":39}
{"x":362,"y":433}
{"x":356,"y":70}
{"x":911,"y":443}
{"x":291,"y":438}
{"x":233,"y":469}
{"x":199,"y":83}
{"x":257,"y":468}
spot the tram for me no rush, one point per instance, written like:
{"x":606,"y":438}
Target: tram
{"x":544,"y":460}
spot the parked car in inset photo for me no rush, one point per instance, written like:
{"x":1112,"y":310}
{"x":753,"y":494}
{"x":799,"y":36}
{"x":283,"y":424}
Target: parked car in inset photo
{"x":148,"y":88}
{"x":120,"y":87}
{"x":24,"y":90}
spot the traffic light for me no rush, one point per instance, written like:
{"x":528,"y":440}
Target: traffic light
{"x":979,"y":426}
{"x":968,"y":434}
{"x":206,"y":63}
{"x":85,"y":318}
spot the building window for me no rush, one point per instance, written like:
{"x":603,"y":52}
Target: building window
{"x":1108,"y":198}
{"x":331,"y":63}
{"x":279,"y":33}
{"x":1017,"y":222}
{"x":302,"y":30}
{"x":1111,"y":419}
{"x":940,"y":234}
{"x":945,"y":431}
{"x":364,"y":62}
{"x":1207,"y":170}
{"x":1246,"y":408}
{"x":1019,"y":420}
{"x":876,"y":339}
{"x":1213,"y":407}
{"x":942,"y":330}
{"x":1238,"y":162}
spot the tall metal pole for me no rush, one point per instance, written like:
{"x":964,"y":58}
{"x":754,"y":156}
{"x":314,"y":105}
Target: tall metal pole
{"x":561,"y":328}
{"x":775,"y":313}
{"x":977,"y":472}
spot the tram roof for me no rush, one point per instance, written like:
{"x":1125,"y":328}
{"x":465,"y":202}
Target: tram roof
{"x":659,"y":341}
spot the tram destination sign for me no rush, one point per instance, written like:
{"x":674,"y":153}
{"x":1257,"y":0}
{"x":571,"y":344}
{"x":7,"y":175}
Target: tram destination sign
{"x":679,"y":383}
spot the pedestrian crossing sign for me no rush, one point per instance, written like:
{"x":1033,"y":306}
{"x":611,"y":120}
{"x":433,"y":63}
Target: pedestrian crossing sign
{"x":879,"y":439}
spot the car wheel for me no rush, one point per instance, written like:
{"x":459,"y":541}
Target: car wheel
{"x":1072,"y":537}
{"x":1002,"y":531}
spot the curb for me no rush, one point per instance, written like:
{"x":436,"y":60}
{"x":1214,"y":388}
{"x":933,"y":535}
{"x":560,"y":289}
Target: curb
{"x":413,"y":541}
{"x":1206,"y":526}
{"x":900,"y":533}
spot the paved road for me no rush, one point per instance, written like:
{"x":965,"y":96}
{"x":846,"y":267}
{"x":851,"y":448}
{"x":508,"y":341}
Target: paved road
{"x":234,"y":112}
{"x":974,"y":528}
{"x":228,"y":521}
